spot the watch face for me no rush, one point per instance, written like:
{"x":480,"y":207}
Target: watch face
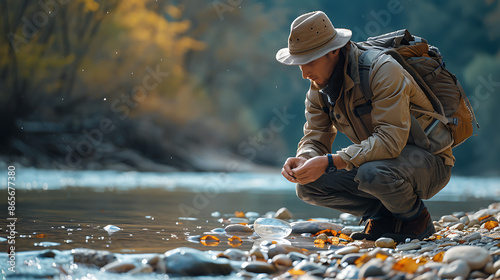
{"x":331,"y":170}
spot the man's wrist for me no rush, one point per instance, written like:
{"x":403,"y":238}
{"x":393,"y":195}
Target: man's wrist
{"x":331,"y":168}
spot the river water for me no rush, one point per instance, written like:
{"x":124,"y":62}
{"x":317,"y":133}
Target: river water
{"x":157,"y":212}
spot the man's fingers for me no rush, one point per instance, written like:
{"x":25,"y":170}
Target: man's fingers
{"x":288,"y":176}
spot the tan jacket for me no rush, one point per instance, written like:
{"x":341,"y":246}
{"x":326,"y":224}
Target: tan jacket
{"x":394,"y":91}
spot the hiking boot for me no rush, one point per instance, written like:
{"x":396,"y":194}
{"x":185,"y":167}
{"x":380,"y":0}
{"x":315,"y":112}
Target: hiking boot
{"x":419,"y":228}
{"x":375,"y":228}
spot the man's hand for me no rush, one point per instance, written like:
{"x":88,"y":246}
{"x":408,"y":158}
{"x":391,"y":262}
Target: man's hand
{"x":311,"y":170}
{"x":291,"y":163}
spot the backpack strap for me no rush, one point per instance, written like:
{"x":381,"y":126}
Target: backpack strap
{"x":365,"y":61}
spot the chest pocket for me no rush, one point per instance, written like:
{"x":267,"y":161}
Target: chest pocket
{"x":337,"y":116}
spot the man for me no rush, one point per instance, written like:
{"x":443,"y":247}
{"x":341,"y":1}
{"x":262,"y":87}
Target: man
{"x":382,"y":176}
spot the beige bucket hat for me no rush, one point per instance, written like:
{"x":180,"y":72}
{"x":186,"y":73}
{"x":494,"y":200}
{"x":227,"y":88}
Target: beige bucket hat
{"x":312,"y":35}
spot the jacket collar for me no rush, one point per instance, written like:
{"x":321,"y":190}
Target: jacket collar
{"x":351,"y":72}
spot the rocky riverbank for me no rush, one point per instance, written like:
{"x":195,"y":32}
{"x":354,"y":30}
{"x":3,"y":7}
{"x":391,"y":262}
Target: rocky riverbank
{"x":465,"y":246}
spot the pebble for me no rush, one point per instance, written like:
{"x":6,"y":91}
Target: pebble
{"x":408,"y":247}
{"x":475,"y":257}
{"x":185,"y":261}
{"x":472,"y":236}
{"x":347,"y":250}
{"x":313,"y":226}
{"x":118,"y":267}
{"x":449,"y":218}
{"x":350,"y":258}
{"x":237,"y":228}
{"x":464,"y":220}
{"x":346,"y":217}
{"x":235,"y":254}
{"x":459,"y":226}
{"x":372,"y":268}
{"x":284,"y":214}
{"x":457,"y":268}
{"x":283,"y":260}
{"x":234,"y":220}
{"x":385,"y":242}
{"x":428,"y":248}
{"x":259,"y":267}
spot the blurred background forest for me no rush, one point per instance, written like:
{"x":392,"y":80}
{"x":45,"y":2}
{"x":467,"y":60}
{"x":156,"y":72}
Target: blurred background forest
{"x":158,"y":85}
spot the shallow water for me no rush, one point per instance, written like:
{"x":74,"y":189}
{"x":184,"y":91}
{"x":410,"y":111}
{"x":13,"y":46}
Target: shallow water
{"x":153,"y":220}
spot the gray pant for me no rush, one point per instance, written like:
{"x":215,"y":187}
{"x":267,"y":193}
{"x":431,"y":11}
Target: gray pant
{"x":382,"y":186}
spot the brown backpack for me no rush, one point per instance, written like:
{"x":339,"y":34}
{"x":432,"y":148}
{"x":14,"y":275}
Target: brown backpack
{"x":425,"y":64}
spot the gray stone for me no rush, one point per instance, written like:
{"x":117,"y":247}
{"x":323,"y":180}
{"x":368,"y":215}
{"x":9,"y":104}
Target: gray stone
{"x":235,"y":254}
{"x":385,"y":242}
{"x":277,"y":249}
{"x":475,"y":257}
{"x":464,"y":220}
{"x":313,"y":226}
{"x":283,"y":214}
{"x":408,"y":247}
{"x":457,"y":268}
{"x":306,"y":265}
{"x":350,"y":258}
{"x":428,"y":248}
{"x":472,"y":236}
{"x":429,"y":275}
{"x":259,"y":267}
{"x":473,"y":222}
{"x":89,"y":256}
{"x":185,"y":261}
{"x":349,"y":272}
{"x":296,"y":256}
{"x":372,"y":268}
{"x":347,"y":250}
{"x":237,"y":228}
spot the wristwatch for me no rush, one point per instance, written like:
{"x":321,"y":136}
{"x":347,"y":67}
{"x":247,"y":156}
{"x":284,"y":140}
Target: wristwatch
{"x":331,"y":168}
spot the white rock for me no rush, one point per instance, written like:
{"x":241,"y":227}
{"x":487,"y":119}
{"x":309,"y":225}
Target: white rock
{"x":458,"y":226}
{"x":449,"y":219}
{"x":489,"y":268}
{"x":347,"y":250}
{"x":111,"y":229}
{"x":496,"y":265}
{"x":283,"y":213}
{"x":348,"y":217}
{"x":464,"y":220}
{"x":484,"y":212}
{"x":475,"y":257}
{"x":457,"y":268}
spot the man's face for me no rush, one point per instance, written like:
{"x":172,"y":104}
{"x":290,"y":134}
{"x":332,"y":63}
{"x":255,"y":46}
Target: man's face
{"x":320,"y":70}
